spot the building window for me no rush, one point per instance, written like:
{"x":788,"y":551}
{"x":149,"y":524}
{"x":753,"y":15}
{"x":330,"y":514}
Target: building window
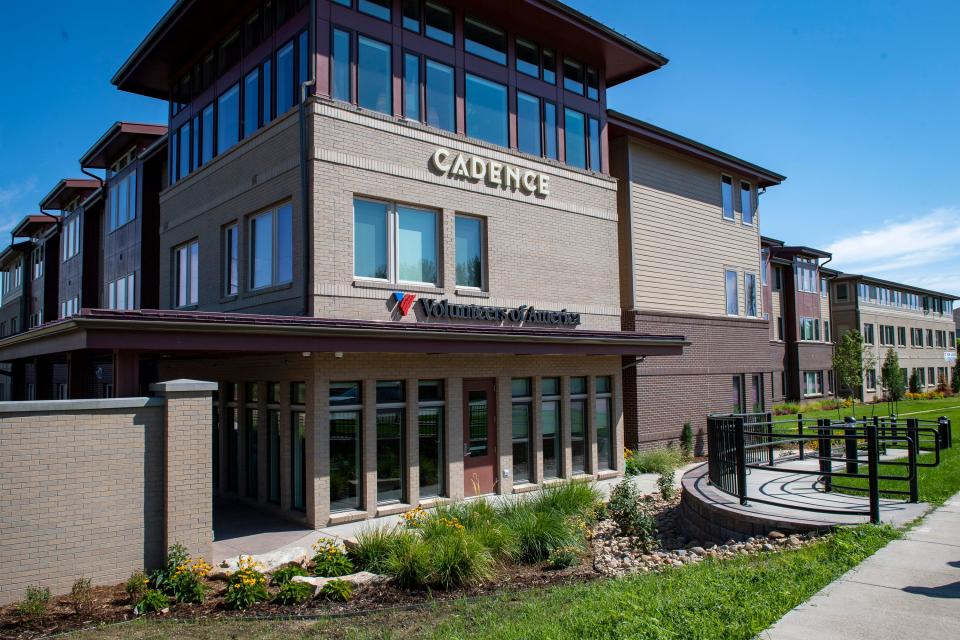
{"x":440,"y":96}
{"x":346,"y":407}
{"x":231,"y":260}
{"x":252,"y":438}
{"x":780,"y":328}
{"x":123,"y":200}
{"x":902,"y":336}
{"x":71,"y":238}
{"x":376,"y":8}
{"x":273,"y":442}
{"x":298,"y":447}
{"x":750,"y":293}
{"x":485,"y":41}
{"x":411,"y":87}
{"x":228,"y":119}
{"x":806,"y":275}
{"x":746,"y":203}
{"x":593,"y":84}
{"x":528,"y":58}
{"x":251,"y":102}
{"x":824,"y":288}
{"x":271,"y":247}
{"x":121,"y":293}
{"x":842,"y":292}
{"x":603,"y":419}
{"x":411,"y":15}
{"x":575,"y":131}
{"x":578,"y":424}
{"x":812,"y":383}
{"x":486,"y":110}
{"x":733,"y":295}
{"x":438,"y":23}
{"x":470,"y":252}
{"x":340,"y":67}
{"x":726,"y":195}
{"x":286,"y":88}
{"x":374,"y":75}
{"x":529,"y":124}
{"x":887,"y":335}
{"x":931,"y":376}
{"x":757,"y":401}
{"x":430,"y":423}
{"x":868,"y":334}
{"x":391,"y":410}
{"x":594,"y":143}
{"x":871,"y":379}
{"x":395,"y":243}
{"x":186,"y":274}
{"x":550,"y":426}
{"x":827,"y":336}
{"x":737,"y":390}
{"x":69,"y":307}
{"x":206,"y":152}
{"x":810,"y":329}
{"x":36,"y":260}
{"x":522,"y":425}
{"x":550,"y":130}
{"x":549,"y":66}
{"x":573,"y":77}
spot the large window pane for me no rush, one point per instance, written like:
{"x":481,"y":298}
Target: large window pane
{"x":266,"y":105}
{"x":273,"y":456}
{"x":469,"y":252}
{"x":439,"y":23}
{"x":231,"y":246}
{"x":550,"y":424}
{"x":228,"y":118}
{"x":578,"y":432}
{"x":746,"y":202}
{"x":411,"y":15}
{"x":485,"y":41}
{"x":252,"y":452}
{"x":529,"y":127}
{"x":733,"y":295}
{"x":441,"y":106}
{"x":285,"y":244}
{"x":370,"y":239}
{"x":575,"y":129}
{"x":726,"y":195}
{"x":344,"y":459}
{"x":522,"y":425}
{"x":207,"y":141}
{"x":417,"y":234}
{"x":390,"y":462}
{"x":550,"y":130}
{"x":251,"y":102}
{"x":528,"y":58}
{"x":594,"y":144}
{"x":298,"y":451}
{"x":285,"y":88}
{"x":603,"y":415}
{"x":261,"y":247}
{"x":430,"y":426}
{"x":341,"y":65}
{"x":184,"y":150}
{"x":374,"y":79}
{"x":411,"y":87}
{"x":750,"y":293}
{"x":487,"y":110}
{"x":573,"y":76}
{"x":377,"y":8}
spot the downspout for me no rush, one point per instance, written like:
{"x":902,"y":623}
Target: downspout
{"x":306,"y":204}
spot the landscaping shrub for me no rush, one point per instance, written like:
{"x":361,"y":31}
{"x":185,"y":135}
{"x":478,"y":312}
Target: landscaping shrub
{"x":150,"y":600}
{"x":564,"y":557}
{"x":654,"y":461}
{"x":162,"y":578}
{"x":330,"y":561}
{"x":483,"y":522}
{"x":293,"y":593}
{"x":337,"y":590}
{"x":443,"y":554}
{"x":572,"y":499}
{"x":625,"y":509}
{"x":247,"y":585}
{"x":186,"y":584}
{"x":375,"y":547}
{"x":137,"y":585}
{"x":81,"y":596}
{"x":35,"y":603}
{"x":686,"y":440}
{"x":538,"y":530}
{"x":665,"y":484}
{"x":283,"y":575}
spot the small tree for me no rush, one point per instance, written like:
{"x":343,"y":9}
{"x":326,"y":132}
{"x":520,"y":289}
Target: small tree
{"x":850,"y":358}
{"x":915,"y":381}
{"x":892,"y":377}
{"x":956,"y":376}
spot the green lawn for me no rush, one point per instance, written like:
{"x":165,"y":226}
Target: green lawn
{"x":716,"y":600}
{"x":922,"y":409}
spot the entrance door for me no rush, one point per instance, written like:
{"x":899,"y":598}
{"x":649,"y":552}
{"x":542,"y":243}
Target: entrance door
{"x":479,"y":437}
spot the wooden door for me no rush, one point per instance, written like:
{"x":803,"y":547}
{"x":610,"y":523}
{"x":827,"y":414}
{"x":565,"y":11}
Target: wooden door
{"x":479,"y":437}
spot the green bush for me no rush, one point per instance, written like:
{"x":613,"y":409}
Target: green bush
{"x":686,"y":440}
{"x":283,"y":575}
{"x":293,"y":593}
{"x":483,"y":522}
{"x":337,"y":590}
{"x":539,"y":531}
{"x":330,"y":561}
{"x":625,"y":509}
{"x":246,"y":586}
{"x":564,"y":557}
{"x":654,"y":461}
{"x":150,"y":600}
{"x":375,"y":546}
{"x":35,"y":603}
{"x":572,"y":499}
{"x":187,"y":585}
{"x":443,"y":556}
{"x":137,"y":585}
{"x":81,"y":596}
{"x":162,"y":578}
{"x":665,"y":485}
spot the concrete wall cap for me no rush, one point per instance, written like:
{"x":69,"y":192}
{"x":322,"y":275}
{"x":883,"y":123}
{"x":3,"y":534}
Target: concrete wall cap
{"x":70,"y":406}
{"x":179,"y":386}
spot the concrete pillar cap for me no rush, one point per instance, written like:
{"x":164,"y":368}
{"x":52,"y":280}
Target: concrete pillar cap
{"x":178,"y":386}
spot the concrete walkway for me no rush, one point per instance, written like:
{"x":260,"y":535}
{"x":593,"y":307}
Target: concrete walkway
{"x":908,"y":589}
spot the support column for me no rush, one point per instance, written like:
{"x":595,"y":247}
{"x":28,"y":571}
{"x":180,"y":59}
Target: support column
{"x":566,"y":452}
{"x":590,"y":446}
{"x":455,"y":438}
{"x":618,"y":425}
{"x":411,"y":473}
{"x":369,"y":447}
{"x":536,"y":431}
{"x":318,"y":450}
{"x":126,"y":374}
{"x":188,"y":486}
{"x":77,"y":373}
{"x":503,"y":472}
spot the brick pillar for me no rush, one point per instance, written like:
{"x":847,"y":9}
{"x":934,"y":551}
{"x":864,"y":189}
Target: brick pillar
{"x":504,"y":397}
{"x":592,"y":455}
{"x":126,"y":374}
{"x":318,"y":449}
{"x":566,"y":425}
{"x":411,"y":475}
{"x":368,"y":443}
{"x":536,"y":432}
{"x":618,"y":423}
{"x":455,"y":426}
{"x":188,"y":482}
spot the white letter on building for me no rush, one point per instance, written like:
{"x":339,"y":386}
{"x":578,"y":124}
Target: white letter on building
{"x":440,"y":157}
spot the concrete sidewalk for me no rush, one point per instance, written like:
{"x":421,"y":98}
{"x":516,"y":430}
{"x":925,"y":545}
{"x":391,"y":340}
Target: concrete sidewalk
{"x":908,"y":589}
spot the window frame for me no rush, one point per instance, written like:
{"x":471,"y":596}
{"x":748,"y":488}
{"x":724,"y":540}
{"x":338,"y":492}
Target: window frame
{"x":726,"y":203}
{"x":192,"y":295}
{"x":748,"y":220}
{"x":727,"y":292}
{"x":484,"y":285}
{"x":230,"y":234}
{"x":393,"y":243}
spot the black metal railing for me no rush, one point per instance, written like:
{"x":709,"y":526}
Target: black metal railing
{"x":739,"y":443}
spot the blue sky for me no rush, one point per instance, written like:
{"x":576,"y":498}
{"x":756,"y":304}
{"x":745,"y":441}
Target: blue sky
{"x":855,"y":102}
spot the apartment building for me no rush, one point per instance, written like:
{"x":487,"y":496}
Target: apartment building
{"x":917,"y":324}
{"x":388,"y":230}
{"x":690,"y":265}
{"x":796,"y":294}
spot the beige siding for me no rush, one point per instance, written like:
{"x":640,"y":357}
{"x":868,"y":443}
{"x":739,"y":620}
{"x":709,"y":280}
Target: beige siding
{"x":682,"y":244}
{"x":776,"y":311}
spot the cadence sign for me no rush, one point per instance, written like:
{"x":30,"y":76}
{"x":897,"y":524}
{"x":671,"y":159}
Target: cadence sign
{"x":496,"y":174}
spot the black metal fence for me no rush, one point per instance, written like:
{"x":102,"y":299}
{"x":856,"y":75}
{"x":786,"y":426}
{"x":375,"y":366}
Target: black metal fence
{"x":739,"y":443}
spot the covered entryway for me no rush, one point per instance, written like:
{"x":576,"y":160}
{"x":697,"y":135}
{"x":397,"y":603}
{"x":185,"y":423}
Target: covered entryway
{"x":479,"y":437}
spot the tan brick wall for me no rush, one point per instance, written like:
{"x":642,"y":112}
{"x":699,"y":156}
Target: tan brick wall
{"x":81,"y":495}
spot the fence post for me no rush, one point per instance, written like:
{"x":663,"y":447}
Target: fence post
{"x":850,"y":443}
{"x":771,"y":452}
{"x":912,"y":450}
{"x":946,"y":438}
{"x":800,"y":433}
{"x":741,"y":461}
{"x":881,"y":446}
{"x":824,"y":452}
{"x":873,"y":465}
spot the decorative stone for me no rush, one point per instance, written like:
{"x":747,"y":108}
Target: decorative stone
{"x":776,"y":535}
{"x":356,"y":579}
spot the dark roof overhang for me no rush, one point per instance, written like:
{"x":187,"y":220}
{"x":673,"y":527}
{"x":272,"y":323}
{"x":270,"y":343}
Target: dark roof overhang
{"x":842,"y":277}
{"x":807,"y":252}
{"x":118,"y":139}
{"x":170,"y":332}
{"x":66,"y":190}
{"x":33,"y":224}
{"x":172,"y":42}
{"x":624,"y":125}
{"x":771,"y":242}
{"x":14,"y":249}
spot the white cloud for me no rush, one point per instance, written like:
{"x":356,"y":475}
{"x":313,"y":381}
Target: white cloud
{"x":14,"y":203}
{"x":923,"y":252}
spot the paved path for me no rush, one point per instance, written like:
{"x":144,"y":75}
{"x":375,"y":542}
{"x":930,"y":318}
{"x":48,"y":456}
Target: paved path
{"x":908,"y":589}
